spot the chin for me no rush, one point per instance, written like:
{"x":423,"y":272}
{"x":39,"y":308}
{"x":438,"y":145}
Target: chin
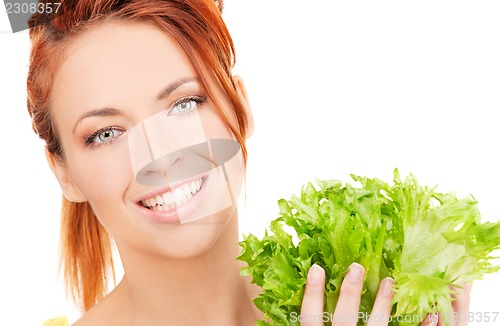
{"x":199,"y":237}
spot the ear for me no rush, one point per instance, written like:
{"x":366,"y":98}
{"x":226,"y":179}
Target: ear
{"x":242,"y":92}
{"x":69,"y":189}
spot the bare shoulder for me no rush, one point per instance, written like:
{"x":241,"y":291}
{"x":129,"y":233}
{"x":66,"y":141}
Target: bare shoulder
{"x":95,"y":316}
{"x":99,"y":316}
{"x":107,"y":312}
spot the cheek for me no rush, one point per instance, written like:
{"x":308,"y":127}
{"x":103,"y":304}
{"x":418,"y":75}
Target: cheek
{"x":214,"y":125}
{"x":103,"y":175}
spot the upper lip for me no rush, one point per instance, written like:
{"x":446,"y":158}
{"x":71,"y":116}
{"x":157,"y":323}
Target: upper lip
{"x":169,"y":187}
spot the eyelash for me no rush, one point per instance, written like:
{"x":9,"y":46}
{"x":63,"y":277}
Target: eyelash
{"x":90,"y":139}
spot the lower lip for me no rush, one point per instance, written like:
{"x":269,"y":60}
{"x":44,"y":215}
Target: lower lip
{"x":173,"y":216}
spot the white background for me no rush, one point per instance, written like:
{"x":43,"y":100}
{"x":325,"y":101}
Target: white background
{"x":336,"y":88}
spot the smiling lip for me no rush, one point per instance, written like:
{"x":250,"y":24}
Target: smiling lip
{"x":173,"y":213}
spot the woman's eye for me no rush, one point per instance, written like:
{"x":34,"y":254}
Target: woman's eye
{"x":185,"y":106}
{"x":103,"y":136}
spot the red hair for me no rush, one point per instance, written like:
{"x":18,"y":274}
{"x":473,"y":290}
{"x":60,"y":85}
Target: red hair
{"x":197,"y":25}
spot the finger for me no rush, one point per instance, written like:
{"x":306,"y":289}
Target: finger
{"x":311,"y":311}
{"x":383,"y":304}
{"x":452,"y":318}
{"x":430,"y":320}
{"x":346,"y":312}
{"x":461,"y":303}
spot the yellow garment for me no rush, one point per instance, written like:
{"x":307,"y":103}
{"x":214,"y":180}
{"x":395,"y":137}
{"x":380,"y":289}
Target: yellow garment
{"x":59,"y":321}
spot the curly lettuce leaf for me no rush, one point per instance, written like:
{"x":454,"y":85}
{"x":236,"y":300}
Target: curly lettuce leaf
{"x":425,"y":240}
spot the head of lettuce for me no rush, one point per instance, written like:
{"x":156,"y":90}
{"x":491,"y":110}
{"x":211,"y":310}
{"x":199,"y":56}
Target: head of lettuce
{"x":427,"y":241}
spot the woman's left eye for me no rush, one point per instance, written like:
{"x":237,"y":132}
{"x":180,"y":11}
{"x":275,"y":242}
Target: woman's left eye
{"x":185,"y":106}
{"x":103,"y":136}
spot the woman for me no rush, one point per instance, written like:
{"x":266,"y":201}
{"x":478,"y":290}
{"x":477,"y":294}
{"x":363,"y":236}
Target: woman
{"x":110,"y":82}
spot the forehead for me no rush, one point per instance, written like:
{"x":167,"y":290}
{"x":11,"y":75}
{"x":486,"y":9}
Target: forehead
{"x":116,"y":59}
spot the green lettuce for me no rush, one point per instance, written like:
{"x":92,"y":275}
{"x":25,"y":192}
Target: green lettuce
{"x":427,"y":241}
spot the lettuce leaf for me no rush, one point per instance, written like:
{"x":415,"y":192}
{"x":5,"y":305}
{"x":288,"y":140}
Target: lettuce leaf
{"x":427,"y":241}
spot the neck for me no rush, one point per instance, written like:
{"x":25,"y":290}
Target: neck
{"x":205,"y":289}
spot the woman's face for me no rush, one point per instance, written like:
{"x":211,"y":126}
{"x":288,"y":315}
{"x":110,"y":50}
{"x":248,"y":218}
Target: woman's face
{"x":114,"y":78}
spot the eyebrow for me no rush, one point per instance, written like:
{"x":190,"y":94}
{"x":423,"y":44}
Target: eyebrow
{"x":104,"y":112}
{"x":111,"y":112}
{"x":174,"y":85}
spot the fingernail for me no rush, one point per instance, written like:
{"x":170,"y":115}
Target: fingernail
{"x":387,"y":285}
{"x":434,"y":318}
{"x":314,"y":274}
{"x":355,"y":272}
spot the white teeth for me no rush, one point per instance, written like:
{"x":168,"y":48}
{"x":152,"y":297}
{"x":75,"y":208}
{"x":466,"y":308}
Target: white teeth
{"x":170,"y":200}
{"x":178,"y":194}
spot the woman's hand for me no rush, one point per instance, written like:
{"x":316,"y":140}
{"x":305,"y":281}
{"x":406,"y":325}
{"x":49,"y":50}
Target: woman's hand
{"x":346,"y":311}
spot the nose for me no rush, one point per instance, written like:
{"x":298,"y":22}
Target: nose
{"x":178,"y":165}
{"x":187,"y":162}
{"x":154,"y":173}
